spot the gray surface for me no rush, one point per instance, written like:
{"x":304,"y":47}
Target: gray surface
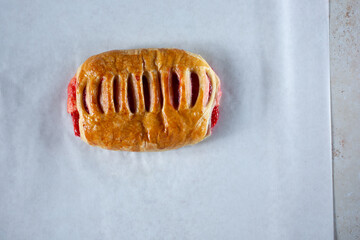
{"x":345,"y":86}
{"x":264,"y":174}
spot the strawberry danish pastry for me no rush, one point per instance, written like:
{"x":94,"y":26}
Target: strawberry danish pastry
{"x":144,"y":99}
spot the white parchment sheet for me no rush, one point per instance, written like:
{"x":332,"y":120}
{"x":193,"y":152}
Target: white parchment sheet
{"x":265,"y":173}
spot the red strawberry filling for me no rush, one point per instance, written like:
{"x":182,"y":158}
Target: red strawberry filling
{"x":71,"y":105}
{"x":214,"y":116}
{"x":215,"y":112}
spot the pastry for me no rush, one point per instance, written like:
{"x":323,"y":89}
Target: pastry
{"x":144,"y":99}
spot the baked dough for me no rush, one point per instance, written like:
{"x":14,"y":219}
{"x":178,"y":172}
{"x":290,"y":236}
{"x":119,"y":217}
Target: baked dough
{"x":142,"y":99}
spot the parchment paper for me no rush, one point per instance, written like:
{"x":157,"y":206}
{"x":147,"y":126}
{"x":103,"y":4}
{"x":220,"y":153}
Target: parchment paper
{"x":265,"y":173}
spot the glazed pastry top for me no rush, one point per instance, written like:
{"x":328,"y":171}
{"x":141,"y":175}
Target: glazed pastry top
{"x":145,"y":99}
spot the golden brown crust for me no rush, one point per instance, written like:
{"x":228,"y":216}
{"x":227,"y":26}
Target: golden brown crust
{"x":162,"y":127}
